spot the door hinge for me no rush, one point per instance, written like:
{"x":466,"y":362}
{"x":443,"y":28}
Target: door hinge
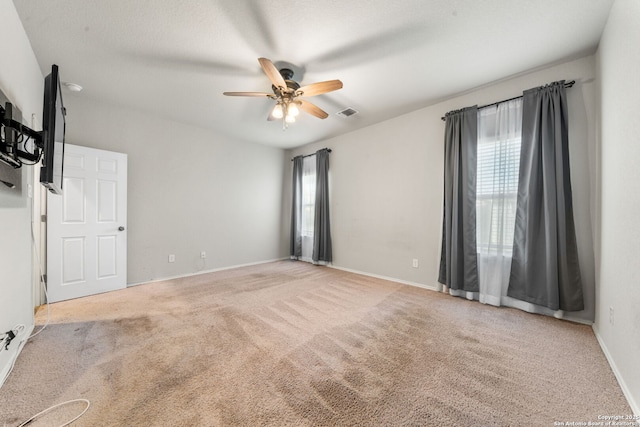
{"x":43,"y":218}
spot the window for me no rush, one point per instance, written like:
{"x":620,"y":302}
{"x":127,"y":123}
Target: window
{"x":498,"y":163}
{"x":308,"y":195}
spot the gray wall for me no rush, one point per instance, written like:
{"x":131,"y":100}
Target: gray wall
{"x":189,"y":190}
{"x":618,"y":227}
{"x":386,"y":182}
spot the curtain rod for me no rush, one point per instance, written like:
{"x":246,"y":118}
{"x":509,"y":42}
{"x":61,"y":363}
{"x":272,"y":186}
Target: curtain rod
{"x":567,"y":84}
{"x":328,"y":151}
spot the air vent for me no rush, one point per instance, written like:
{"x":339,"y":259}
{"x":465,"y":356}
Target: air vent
{"x":347,"y":112}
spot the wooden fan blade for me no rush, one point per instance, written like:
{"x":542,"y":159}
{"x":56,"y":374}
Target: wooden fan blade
{"x":260,"y":94}
{"x":272,"y":72}
{"x":312,"y":109}
{"x":319,"y":88}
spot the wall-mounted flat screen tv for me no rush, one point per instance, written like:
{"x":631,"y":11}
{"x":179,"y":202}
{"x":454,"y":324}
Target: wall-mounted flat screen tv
{"x":53,"y":128}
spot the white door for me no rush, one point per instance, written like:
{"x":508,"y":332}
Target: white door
{"x":86,"y":225}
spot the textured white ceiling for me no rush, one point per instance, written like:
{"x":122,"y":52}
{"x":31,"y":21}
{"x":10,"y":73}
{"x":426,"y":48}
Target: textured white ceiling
{"x":174,"y":58}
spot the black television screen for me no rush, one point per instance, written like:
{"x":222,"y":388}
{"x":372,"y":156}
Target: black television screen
{"x":53,"y":128}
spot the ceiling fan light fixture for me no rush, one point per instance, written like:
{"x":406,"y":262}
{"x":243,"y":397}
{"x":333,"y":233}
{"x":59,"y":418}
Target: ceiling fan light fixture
{"x":290,"y":119}
{"x":293,"y":110}
{"x":278,"y":112}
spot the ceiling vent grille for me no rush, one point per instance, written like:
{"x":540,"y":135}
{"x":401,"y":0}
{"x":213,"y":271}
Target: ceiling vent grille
{"x":347,"y":112}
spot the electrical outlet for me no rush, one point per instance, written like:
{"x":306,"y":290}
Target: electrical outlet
{"x":611,"y":315}
{"x":172,"y":258}
{"x":415,"y":263}
{"x":203,"y":254}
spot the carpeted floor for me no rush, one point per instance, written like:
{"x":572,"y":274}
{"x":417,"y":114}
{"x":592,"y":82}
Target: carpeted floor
{"x":288,"y":343}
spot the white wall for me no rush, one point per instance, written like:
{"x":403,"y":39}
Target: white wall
{"x":22,"y":83}
{"x":618,"y":281}
{"x":189,"y":190}
{"x":387,"y":179}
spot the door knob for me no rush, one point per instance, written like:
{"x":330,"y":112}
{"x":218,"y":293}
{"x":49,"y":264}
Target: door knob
{"x":121,"y":228}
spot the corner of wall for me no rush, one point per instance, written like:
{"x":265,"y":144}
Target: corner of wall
{"x":23,"y":84}
{"x":616,"y":228}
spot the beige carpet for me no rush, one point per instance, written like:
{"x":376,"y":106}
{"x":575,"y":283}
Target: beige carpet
{"x":288,"y":343}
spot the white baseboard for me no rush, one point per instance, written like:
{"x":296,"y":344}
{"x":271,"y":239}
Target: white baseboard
{"x":623,"y":385}
{"x":391,"y":279}
{"x":231,"y":267}
{"x":576,"y":320}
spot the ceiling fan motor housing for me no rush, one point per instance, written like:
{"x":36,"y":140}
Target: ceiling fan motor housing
{"x":287,"y":75}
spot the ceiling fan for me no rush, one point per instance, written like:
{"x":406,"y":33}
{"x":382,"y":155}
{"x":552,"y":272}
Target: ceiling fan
{"x":289,"y":95}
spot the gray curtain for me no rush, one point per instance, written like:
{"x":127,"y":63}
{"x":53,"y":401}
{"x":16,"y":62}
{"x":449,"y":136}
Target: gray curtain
{"x":545,"y":269}
{"x":459,"y":259}
{"x":296,"y":209}
{"x":322,"y":226}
